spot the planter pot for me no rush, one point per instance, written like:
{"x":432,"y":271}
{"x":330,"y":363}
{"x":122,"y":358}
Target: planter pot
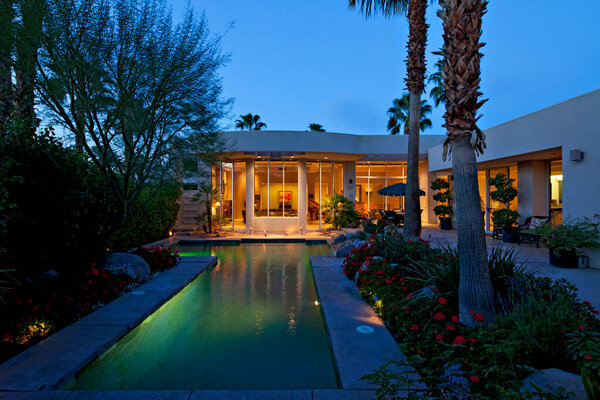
{"x":565,"y":259}
{"x":510,"y":234}
{"x":446,"y":223}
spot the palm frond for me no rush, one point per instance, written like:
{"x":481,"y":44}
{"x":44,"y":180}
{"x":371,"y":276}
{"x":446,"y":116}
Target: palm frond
{"x":387,"y":8}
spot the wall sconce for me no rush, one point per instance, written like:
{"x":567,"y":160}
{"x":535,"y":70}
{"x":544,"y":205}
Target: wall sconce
{"x":576,"y":155}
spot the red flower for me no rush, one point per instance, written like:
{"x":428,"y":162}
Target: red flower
{"x":587,"y":357}
{"x":439,"y":337}
{"x":414,"y":327}
{"x":474,"y":378}
{"x":478,"y":317}
{"x":455,"y":319}
{"x":418,"y":351}
{"x":406,"y":308}
{"x":471,"y":340}
{"x":450,"y":327}
{"x":94,"y":271}
{"x":435,"y":290}
{"x":389,"y":282}
{"x":442,"y":300}
{"x":582,"y":327}
{"x":459,"y":340}
{"x":439,"y":316}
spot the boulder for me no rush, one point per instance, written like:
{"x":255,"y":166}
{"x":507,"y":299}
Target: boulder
{"x":339,"y":239}
{"x":553,"y":378}
{"x":131,"y":265}
{"x":344,"y":251}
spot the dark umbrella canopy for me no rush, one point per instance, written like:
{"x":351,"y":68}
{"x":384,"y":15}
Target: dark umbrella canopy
{"x":397,"y":189}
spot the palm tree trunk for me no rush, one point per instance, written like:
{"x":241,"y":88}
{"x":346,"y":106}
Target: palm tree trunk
{"x":415,"y":68}
{"x":412,"y":218}
{"x":461,"y":76}
{"x":475,"y":290}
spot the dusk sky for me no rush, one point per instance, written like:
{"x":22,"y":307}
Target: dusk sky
{"x":317,"y":61}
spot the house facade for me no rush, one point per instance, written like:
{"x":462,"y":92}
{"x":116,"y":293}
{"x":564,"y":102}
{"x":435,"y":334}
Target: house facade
{"x":553,"y":155}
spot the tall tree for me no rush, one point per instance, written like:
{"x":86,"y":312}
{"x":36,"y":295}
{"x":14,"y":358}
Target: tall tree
{"x":27,"y":46}
{"x":6,"y":55}
{"x":250,"y":122}
{"x":437,"y":93}
{"x":137,"y":91}
{"x":462,"y":31}
{"x":415,"y":82}
{"x":316,"y":127}
{"x":399,"y":114}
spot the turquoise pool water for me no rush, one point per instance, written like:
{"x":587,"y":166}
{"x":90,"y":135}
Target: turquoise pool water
{"x":249,"y":323}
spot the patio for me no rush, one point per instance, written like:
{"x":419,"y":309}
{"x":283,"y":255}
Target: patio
{"x":534,"y":259}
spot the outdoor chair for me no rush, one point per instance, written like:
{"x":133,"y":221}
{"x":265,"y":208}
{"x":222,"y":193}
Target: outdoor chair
{"x":527,"y":232}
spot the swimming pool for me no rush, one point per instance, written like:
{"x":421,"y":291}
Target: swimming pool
{"x":253,"y":322}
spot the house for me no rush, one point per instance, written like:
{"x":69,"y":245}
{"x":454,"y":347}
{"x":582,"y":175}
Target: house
{"x":553,"y":154}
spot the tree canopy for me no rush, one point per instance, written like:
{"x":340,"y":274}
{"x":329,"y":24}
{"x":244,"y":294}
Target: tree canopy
{"x":250,"y":122}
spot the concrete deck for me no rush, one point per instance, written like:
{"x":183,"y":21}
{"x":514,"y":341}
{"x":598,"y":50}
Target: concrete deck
{"x":534,"y":260}
{"x":52,"y":362}
{"x":356,"y":354}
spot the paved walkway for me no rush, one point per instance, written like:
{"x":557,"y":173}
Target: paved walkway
{"x":535,"y":260}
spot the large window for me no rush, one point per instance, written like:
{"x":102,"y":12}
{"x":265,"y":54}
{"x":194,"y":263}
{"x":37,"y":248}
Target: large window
{"x":323,"y":179}
{"x":370,"y":178}
{"x":276,"y":188}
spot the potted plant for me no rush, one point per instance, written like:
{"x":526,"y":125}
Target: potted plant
{"x":506,"y":218}
{"x":566,"y":240}
{"x":443,"y":210}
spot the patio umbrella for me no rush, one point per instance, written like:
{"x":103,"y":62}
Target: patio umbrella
{"x":397,"y":189}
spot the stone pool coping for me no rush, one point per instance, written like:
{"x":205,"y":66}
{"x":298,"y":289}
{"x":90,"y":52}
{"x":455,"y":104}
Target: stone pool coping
{"x":356,"y":354}
{"x":51,"y":363}
{"x":36,"y":372}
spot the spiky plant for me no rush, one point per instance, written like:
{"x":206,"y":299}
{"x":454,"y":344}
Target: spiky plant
{"x":250,"y":122}
{"x":399,"y":114}
{"x":316,"y":127}
{"x":461,"y":21}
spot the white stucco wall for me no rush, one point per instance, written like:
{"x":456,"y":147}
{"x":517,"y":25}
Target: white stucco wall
{"x":572,"y":124}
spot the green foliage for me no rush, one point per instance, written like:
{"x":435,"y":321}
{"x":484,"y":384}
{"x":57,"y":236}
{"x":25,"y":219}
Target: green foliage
{"x":159,"y":258}
{"x":340,"y":212}
{"x":571,"y":235}
{"x":399,"y":114}
{"x":250,"y":122}
{"x":414,"y":289}
{"x":59,"y":197}
{"x":313,"y":127}
{"x":443,"y":197}
{"x":151,"y":217}
{"x":207,"y":192}
{"x":504,"y":193}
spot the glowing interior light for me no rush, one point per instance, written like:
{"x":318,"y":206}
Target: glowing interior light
{"x":316,"y":302}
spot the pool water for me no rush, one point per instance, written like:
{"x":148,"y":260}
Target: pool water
{"x":252,"y":322}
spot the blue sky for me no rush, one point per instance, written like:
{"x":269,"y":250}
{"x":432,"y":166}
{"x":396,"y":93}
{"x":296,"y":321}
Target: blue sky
{"x":316,"y":61}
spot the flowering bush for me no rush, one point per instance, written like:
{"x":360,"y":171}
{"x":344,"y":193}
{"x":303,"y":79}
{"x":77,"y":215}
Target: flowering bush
{"x":538,"y":321}
{"x":358,"y":256}
{"x":41,"y":308}
{"x":571,"y":235}
{"x":159,"y":258}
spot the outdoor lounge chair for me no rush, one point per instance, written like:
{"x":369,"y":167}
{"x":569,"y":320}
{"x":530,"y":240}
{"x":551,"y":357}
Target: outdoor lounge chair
{"x":527,"y":232}
{"x":393,"y":217}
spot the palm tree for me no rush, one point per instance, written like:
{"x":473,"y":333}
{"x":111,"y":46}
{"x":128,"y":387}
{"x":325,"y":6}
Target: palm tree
{"x":415,"y":81}
{"x":316,"y":127}
{"x":437,"y":93}
{"x":250,"y":122}
{"x":399,"y":114}
{"x":461,"y":70}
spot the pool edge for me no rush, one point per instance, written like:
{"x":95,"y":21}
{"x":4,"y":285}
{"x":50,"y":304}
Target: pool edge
{"x":55,"y":360}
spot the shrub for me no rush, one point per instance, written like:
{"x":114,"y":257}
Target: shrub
{"x":571,"y":235}
{"x":358,"y":256}
{"x":340,"y":212}
{"x":153,"y":215}
{"x":159,"y":258}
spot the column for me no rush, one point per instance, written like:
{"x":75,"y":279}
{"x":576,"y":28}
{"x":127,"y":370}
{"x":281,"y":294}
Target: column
{"x":533,"y":188}
{"x":302,"y":196}
{"x":250,"y":196}
{"x":350,"y":180}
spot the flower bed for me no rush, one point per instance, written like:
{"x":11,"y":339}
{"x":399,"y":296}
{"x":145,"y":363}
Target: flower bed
{"x":34,"y":310}
{"x":540,"y":323}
